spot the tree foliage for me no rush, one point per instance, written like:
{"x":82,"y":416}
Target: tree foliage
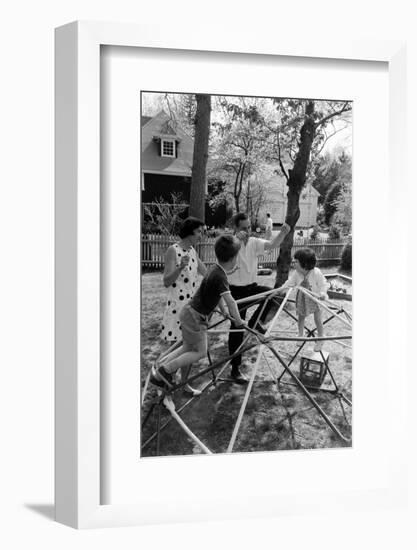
{"x":330,"y":168}
{"x":240,"y":145}
{"x":301,"y":131}
{"x":329,"y":205}
{"x":343,"y":209}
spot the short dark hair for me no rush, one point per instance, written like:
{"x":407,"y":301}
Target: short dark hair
{"x":188,"y":226}
{"x":268,"y":214}
{"x":226,"y":247}
{"x":306,"y":257}
{"x":237,"y":218}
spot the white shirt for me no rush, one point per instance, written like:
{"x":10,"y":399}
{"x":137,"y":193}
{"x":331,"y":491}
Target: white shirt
{"x":315,"y":277}
{"x":269,"y":224}
{"x":247,"y":262}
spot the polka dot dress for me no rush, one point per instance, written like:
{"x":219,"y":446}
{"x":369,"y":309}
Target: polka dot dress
{"x":179,"y":293}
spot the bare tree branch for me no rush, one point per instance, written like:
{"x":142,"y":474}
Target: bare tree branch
{"x":346,"y":107}
{"x":327,"y":137}
{"x":279,"y":156}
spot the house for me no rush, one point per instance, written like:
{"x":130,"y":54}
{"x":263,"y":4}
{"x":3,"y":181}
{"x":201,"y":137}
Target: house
{"x":167,"y":158}
{"x":276,"y":203}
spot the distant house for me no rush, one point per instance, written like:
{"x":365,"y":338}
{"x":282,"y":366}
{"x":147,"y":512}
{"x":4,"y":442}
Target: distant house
{"x":167,"y":159}
{"x":276,"y":203}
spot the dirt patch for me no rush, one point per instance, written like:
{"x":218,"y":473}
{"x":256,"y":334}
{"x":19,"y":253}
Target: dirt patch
{"x":278,"y":416}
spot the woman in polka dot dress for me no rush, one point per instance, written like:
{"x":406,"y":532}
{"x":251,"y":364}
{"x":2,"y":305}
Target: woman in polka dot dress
{"x":182,"y":266}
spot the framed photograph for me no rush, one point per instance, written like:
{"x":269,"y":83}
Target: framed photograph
{"x":287,"y":429}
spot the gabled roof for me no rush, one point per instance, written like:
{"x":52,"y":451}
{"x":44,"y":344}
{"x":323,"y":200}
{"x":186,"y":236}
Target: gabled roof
{"x":162,"y":126}
{"x":144,"y":119}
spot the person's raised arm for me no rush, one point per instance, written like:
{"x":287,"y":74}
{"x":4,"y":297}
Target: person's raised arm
{"x":171,"y":270}
{"x":276,"y":241}
{"x":268,"y":233}
{"x":201,"y":268}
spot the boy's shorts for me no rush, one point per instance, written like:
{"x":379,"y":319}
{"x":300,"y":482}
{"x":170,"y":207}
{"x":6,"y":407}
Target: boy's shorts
{"x":193,"y":327}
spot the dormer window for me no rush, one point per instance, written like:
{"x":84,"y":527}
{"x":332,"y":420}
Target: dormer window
{"x":168,"y":148}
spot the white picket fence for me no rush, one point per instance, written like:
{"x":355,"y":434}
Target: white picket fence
{"x":153,"y":250}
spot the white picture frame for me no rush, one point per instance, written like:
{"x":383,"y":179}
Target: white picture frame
{"x":77,"y":241}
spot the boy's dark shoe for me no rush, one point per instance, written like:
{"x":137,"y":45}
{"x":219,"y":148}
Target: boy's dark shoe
{"x":237,"y":376}
{"x":160,"y":377}
{"x":260,"y":327}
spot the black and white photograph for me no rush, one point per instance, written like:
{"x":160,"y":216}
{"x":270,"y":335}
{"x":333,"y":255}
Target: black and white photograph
{"x":246,"y":273}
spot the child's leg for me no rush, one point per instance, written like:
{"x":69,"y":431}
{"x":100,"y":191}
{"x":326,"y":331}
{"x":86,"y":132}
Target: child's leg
{"x":171,"y":356}
{"x":187,"y":388}
{"x":187,"y":357}
{"x":320,"y":332}
{"x":301,"y":320}
{"x":319,"y":322}
{"x":185,"y":373}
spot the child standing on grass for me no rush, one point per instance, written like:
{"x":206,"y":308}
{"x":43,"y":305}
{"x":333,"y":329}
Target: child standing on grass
{"x":213,"y":291}
{"x":307,"y":275}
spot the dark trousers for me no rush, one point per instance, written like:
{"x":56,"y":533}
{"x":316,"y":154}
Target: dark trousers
{"x":238,"y":292}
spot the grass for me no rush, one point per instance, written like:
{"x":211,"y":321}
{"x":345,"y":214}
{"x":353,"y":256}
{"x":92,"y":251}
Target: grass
{"x":276,"y":418}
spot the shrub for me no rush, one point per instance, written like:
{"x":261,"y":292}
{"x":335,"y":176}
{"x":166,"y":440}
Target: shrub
{"x":346,"y":262}
{"x":315,"y":233}
{"x":334,"y":232}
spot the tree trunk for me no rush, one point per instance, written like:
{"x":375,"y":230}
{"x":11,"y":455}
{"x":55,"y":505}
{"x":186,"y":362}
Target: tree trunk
{"x":296,"y":181}
{"x":237,"y":190}
{"x":200,"y":156}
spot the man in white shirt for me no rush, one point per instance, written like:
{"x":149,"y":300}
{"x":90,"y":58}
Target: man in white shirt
{"x":243,"y":281}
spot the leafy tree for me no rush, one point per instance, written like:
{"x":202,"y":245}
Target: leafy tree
{"x":331,"y":167}
{"x":254,"y":197}
{"x":216,"y":192}
{"x":329,"y":205}
{"x":325,"y":173}
{"x":240,"y":145}
{"x":300,"y":134}
{"x":346,"y":261}
{"x":343,"y":209}
{"x":334,"y":232}
{"x":182,"y":109}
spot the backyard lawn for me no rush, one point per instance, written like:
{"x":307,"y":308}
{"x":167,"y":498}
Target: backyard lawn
{"x":277,"y":417}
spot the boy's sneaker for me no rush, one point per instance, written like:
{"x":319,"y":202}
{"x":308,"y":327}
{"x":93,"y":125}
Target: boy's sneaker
{"x":189,"y":390}
{"x":260,"y":327}
{"x":160,"y":377}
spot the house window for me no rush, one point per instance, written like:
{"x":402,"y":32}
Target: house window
{"x":168,"y":148}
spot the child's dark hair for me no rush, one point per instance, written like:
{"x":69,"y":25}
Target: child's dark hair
{"x":188,"y":226}
{"x":226,"y":247}
{"x":237,"y":218}
{"x":306,"y":257}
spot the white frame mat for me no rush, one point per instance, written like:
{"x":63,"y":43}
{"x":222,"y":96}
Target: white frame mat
{"x":77,"y":242}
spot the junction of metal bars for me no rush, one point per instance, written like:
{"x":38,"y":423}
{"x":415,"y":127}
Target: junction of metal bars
{"x":265,"y":343}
